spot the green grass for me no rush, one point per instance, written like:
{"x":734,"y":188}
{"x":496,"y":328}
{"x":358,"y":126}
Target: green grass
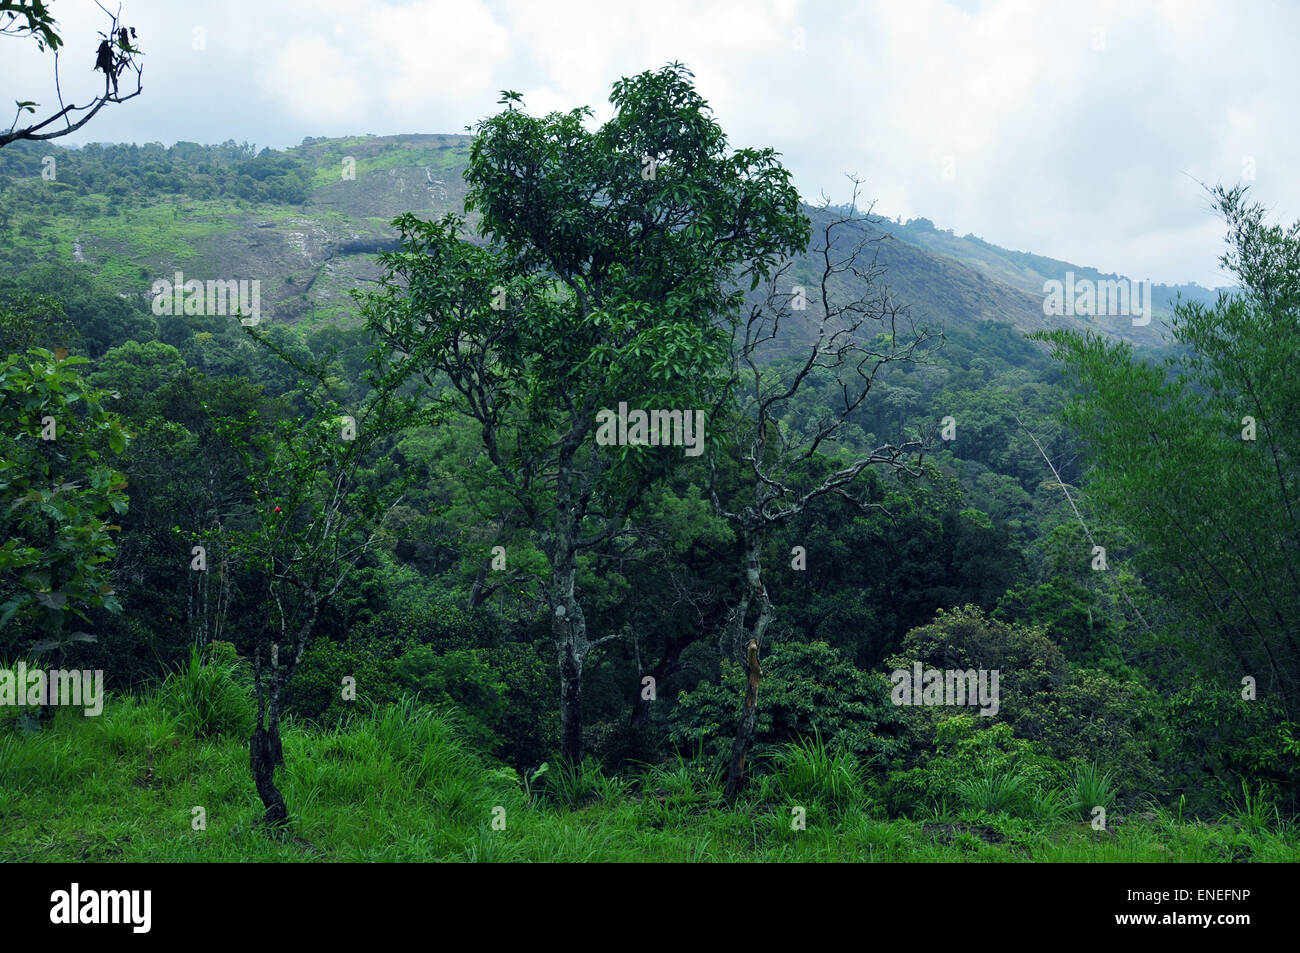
{"x":398,"y":784}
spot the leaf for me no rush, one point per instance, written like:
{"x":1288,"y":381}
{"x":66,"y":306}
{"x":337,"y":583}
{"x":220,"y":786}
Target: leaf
{"x":52,"y":600}
{"x":8,"y":610}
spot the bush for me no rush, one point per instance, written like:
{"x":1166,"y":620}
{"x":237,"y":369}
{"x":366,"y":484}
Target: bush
{"x":459,"y":678}
{"x":530,"y":723}
{"x":1078,"y":715}
{"x":505,"y":695}
{"x":1027,"y":661}
{"x":808,"y":690}
{"x":315,"y":692}
{"x":965,"y":753}
{"x":1095,"y":717}
{"x":1211,"y":740}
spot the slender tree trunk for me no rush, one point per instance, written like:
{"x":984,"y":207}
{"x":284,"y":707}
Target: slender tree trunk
{"x":755,"y":592}
{"x":570,"y":706}
{"x":476,"y":592}
{"x":569,"y":630}
{"x":670,"y":664}
{"x":740,"y":747}
{"x":568,"y":624}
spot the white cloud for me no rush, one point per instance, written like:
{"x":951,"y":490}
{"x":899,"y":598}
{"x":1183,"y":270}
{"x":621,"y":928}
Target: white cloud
{"x":1059,"y":148}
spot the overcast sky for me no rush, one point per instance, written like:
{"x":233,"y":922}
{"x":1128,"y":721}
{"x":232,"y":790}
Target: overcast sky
{"x":1075,"y":130}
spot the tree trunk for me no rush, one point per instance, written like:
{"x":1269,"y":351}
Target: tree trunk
{"x":265,"y":755}
{"x":669,"y":665}
{"x":569,"y":629}
{"x":740,"y":748}
{"x":570,"y":706}
{"x":755,"y":591}
{"x":476,"y":594}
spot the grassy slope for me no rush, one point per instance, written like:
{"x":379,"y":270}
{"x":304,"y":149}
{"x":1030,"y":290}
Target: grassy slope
{"x":399,"y":786}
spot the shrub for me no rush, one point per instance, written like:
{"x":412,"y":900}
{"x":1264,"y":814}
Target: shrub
{"x":808,"y":690}
{"x":1211,"y":739}
{"x":964,"y":753}
{"x":460,"y":678}
{"x":965,"y":638}
{"x":1095,"y":717}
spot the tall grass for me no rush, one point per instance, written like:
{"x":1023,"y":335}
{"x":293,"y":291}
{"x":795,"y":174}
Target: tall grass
{"x":1256,"y":811}
{"x":577,"y":786}
{"x":1090,"y":787}
{"x":810,"y":773}
{"x":996,"y":792}
{"x":207,"y":700}
{"x":398,"y":783}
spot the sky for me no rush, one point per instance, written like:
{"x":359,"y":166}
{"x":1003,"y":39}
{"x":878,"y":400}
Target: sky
{"x":1078,"y":130}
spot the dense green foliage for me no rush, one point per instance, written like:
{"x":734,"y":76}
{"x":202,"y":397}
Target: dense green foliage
{"x":1120,"y":688}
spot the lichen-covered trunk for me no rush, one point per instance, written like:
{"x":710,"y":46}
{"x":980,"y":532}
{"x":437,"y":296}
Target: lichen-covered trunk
{"x":744,"y":635}
{"x":568,"y":625}
{"x":570,"y":706}
{"x":740,"y":746}
{"x":569,"y":631}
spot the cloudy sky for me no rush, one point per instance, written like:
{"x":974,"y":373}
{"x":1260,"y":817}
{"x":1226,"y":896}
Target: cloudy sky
{"x":1078,"y":130}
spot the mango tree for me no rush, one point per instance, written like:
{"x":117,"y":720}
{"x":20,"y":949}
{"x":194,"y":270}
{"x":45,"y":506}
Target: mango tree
{"x":607,"y":277}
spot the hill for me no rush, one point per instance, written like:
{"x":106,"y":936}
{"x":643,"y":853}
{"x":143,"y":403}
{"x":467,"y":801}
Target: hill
{"x":307,"y":222}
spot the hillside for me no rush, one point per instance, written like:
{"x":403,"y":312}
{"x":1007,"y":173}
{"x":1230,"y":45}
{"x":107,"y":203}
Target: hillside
{"x":1027,"y":272}
{"x":308,"y":221}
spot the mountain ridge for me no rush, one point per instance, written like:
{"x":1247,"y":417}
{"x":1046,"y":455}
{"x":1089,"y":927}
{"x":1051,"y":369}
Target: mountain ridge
{"x":307,"y":221}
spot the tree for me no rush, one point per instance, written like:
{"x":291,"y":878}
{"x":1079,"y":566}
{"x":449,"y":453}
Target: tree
{"x":314,"y":512}
{"x":118,"y":54}
{"x":786,"y":468}
{"x":1197,"y":458}
{"x":56,"y":494}
{"x":607,"y":280}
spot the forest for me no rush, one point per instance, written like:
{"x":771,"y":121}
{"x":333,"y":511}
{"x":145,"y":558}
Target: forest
{"x":364,"y":584}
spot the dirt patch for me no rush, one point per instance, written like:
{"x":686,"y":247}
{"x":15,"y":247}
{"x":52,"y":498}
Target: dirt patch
{"x":947,"y":833}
